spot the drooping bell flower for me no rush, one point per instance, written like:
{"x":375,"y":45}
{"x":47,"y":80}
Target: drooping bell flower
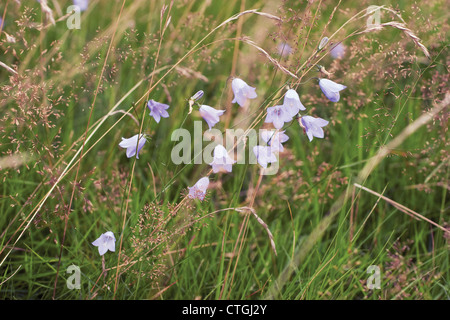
{"x":278,"y":115}
{"x":275,"y":139}
{"x":210,"y":115}
{"x":284,"y":49}
{"x":198,"y":191}
{"x":292,"y":102}
{"x":131,"y":143}
{"x":105,"y":242}
{"x":338,"y":51}
{"x":158,"y":110}
{"x":221,"y":161}
{"x":264,"y":155}
{"x":331,"y":89}
{"x":313,"y":126}
{"x":242,"y":91}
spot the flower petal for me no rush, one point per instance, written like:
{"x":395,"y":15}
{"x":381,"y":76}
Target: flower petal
{"x":321,"y":122}
{"x":203,"y":184}
{"x":97,"y":242}
{"x":156,"y":116}
{"x":130,"y":142}
{"x":131,"y":151}
{"x":102,"y":249}
{"x":278,"y":123}
{"x":111,"y":246}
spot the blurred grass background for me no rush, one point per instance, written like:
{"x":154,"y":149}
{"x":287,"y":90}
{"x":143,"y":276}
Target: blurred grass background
{"x":46,"y":104}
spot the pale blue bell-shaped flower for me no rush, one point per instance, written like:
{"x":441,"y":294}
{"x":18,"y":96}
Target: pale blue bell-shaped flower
{"x":338,"y":51}
{"x":242,"y":91}
{"x":158,"y":110}
{"x":292,"y":102}
{"x":105,"y":242}
{"x":222,"y":162}
{"x":331,"y":89}
{"x":264,"y":155}
{"x":278,"y":115}
{"x":131,"y":143}
{"x":284,"y":49}
{"x":210,"y":115}
{"x":313,"y":126}
{"x":198,"y":191}
{"x":275,"y":139}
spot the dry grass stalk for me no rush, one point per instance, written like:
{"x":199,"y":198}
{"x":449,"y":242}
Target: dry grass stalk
{"x":243,"y":210}
{"x":7,"y":68}
{"x":191,"y":74}
{"x":261,"y":222}
{"x":274,"y":61}
{"x":402,"y":27}
{"x":402,"y":208}
{"x":47,"y":11}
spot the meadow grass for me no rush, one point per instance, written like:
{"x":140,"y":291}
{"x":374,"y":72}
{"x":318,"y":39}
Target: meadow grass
{"x":372,"y":192}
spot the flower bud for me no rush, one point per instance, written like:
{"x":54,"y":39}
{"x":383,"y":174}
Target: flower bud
{"x":197,"y":96}
{"x":323,"y":43}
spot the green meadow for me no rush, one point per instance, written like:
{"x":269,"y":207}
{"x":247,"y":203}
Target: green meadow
{"x":362,"y":213}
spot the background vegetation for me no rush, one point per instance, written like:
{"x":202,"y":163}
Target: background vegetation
{"x":71,"y":94}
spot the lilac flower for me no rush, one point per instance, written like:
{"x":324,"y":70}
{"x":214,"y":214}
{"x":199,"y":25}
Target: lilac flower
{"x":221,"y":161}
{"x":198,"y":191}
{"x":278,"y":115}
{"x":158,"y":110}
{"x":83,"y":4}
{"x":210,"y":115}
{"x":292,"y":102}
{"x":331,"y":89}
{"x":313,"y":126}
{"x":338,"y":51}
{"x":105,"y":242}
{"x":242,"y":91}
{"x":274,"y":138}
{"x":131,"y":143}
{"x":284,"y":49}
{"x":264,"y":155}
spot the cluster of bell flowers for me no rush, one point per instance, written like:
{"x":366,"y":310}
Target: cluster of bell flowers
{"x":277,"y":115}
{"x":280,"y":114}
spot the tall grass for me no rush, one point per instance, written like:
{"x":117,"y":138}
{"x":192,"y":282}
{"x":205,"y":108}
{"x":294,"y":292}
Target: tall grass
{"x":372,"y":192}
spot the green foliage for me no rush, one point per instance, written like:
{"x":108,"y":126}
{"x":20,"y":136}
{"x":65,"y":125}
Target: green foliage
{"x":170,"y":247}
